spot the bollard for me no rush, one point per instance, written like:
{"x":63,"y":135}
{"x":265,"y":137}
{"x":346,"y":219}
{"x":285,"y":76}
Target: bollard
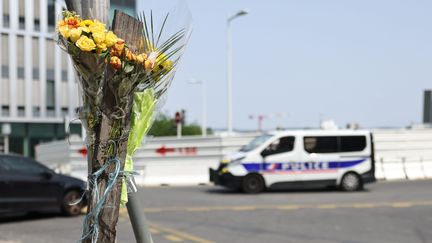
{"x":422,"y":168}
{"x":404,"y":167}
{"x":382,"y":167}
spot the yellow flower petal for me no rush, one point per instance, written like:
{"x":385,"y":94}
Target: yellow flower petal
{"x":75,"y":34}
{"x":64,"y":31}
{"x":85,"y":44}
{"x":99,"y":37}
{"x":110,"y":39}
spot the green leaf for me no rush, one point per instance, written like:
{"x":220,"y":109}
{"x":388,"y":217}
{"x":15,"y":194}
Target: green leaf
{"x":128,"y":68}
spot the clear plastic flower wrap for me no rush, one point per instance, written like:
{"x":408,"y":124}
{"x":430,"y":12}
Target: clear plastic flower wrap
{"x":122,"y":75}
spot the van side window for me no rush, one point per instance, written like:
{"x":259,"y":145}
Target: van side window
{"x":334,"y":144}
{"x":281,"y":145}
{"x":352,"y":143}
{"x":321,"y":144}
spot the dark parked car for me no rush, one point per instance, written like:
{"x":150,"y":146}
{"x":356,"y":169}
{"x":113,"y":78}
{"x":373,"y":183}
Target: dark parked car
{"x":28,"y":186}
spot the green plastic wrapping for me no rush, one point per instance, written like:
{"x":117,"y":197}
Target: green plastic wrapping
{"x":141,"y":120}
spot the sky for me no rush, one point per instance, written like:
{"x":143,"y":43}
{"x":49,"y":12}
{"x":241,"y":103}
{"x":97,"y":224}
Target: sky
{"x":363,"y":61}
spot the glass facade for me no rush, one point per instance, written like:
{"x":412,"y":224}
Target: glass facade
{"x":38,"y":91}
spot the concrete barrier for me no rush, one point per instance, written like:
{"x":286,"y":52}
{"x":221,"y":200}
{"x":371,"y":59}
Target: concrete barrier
{"x":399,"y":154}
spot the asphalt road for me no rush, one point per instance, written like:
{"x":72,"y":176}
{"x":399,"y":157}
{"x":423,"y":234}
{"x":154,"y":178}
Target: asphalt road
{"x":385,"y":212}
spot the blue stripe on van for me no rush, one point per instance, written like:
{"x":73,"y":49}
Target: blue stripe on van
{"x":300,"y":166}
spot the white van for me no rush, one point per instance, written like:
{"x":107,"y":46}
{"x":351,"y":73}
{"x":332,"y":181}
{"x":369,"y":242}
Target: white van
{"x":343,"y":158}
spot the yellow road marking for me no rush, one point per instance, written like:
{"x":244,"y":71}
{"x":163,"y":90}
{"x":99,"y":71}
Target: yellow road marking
{"x":180,"y":234}
{"x":173,"y":238}
{"x":424,"y":203}
{"x":363,"y":205}
{"x":243,"y":208}
{"x":198,"y":209}
{"x":154,"y":231}
{"x":327,"y":206}
{"x":153,"y":210}
{"x":401,"y":205}
{"x":288,"y":207}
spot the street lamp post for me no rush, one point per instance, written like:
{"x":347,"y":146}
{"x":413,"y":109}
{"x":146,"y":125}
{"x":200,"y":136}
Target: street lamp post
{"x":229,"y":67}
{"x":204,"y":105}
{"x":6,"y":130}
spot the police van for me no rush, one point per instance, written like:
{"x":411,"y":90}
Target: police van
{"x":343,"y":158}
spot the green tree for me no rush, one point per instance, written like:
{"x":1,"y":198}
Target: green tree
{"x":165,"y":125}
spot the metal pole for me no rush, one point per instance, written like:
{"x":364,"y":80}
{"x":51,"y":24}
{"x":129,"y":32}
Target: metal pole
{"x":229,"y":76}
{"x":6,"y":144}
{"x":179,"y":129}
{"x":138,"y":219}
{"x":204,"y":109}
{"x":229,"y":68}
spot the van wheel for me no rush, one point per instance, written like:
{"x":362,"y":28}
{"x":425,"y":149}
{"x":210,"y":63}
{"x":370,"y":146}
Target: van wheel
{"x":253,"y":184}
{"x":351,"y":182}
{"x":69,"y":198}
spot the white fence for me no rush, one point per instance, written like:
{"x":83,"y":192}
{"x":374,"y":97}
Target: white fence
{"x":400,"y":154}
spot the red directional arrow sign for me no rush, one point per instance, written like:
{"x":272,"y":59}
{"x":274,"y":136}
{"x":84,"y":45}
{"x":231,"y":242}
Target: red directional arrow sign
{"x":163,"y":150}
{"x":83,"y":151}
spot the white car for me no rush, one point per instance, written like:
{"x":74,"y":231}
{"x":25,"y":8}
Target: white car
{"x":343,"y":158}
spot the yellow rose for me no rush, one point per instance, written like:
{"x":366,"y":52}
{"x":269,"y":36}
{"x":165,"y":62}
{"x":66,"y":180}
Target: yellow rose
{"x":61,"y":23}
{"x":130,"y":55}
{"x":101,"y":47}
{"x":85,"y":44}
{"x":99,"y":37}
{"x":118,"y":47}
{"x":64,"y":31}
{"x":85,"y":24}
{"x":75,"y":34}
{"x":97,"y":27}
{"x":141,"y":57}
{"x":110,"y":39}
{"x":115,"y":62}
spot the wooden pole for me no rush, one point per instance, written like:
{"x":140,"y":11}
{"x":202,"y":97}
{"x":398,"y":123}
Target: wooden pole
{"x":108,"y":130}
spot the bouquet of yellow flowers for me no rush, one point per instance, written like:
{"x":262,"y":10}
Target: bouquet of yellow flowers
{"x":122,"y":74}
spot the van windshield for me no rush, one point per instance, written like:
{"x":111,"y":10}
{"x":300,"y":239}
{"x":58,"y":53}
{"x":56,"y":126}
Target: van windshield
{"x":256,"y":142}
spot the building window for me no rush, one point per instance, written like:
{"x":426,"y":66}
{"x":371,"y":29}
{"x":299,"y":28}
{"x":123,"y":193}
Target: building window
{"x":20,"y":72}
{"x":5,"y":71}
{"x":50,"y":111}
{"x":5,"y":14}
{"x":50,"y":94}
{"x":64,"y":111}
{"x":36,"y":111}
{"x":5,"y":110}
{"x":5,"y":21}
{"x":51,"y":15}
{"x":21,"y":14}
{"x":21,"y":111}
